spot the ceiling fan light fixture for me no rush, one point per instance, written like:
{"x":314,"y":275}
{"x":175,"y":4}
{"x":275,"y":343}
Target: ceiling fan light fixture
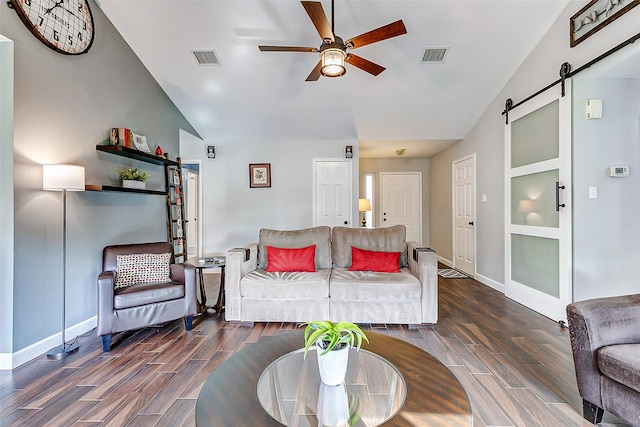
{"x":333,"y":62}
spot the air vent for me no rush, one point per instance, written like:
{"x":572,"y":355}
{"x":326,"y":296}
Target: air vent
{"x":206,"y":57}
{"x":434,"y":55}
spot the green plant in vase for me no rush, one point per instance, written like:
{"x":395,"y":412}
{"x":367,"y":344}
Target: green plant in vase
{"x":133,"y":178}
{"x":332,"y":341}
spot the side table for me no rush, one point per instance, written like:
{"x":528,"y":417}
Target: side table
{"x":210,"y":262}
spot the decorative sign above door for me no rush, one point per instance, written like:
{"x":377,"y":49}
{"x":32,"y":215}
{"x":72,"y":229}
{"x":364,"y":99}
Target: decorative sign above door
{"x":596,"y":15}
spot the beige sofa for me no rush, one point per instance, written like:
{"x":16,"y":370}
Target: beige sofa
{"x":332,"y":292}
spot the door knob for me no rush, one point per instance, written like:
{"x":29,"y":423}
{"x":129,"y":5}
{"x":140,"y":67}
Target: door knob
{"x":384,"y":219}
{"x":346,"y":222}
{"x":470,"y":222}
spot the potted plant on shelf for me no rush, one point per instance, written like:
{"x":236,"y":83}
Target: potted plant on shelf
{"x":332,"y":341}
{"x":133,"y":178}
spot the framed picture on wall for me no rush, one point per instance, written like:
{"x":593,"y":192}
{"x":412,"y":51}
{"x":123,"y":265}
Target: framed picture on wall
{"x":594,"y":16}
{"x":259,"y":175}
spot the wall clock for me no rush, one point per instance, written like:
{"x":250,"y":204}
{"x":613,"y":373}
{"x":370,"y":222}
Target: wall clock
{"x":65,"y":26}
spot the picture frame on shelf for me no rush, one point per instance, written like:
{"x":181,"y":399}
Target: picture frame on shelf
{"x":140,"y":142}
{"x":259,"y":175}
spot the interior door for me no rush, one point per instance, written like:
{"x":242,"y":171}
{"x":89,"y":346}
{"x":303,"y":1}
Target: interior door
{"x":332,"y":192}
{"x":464,"y":216}
{"x":401,"y":195}
{"x":538,"y":211}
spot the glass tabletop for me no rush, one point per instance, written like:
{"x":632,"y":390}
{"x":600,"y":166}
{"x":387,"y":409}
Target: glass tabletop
{"x":291,"y":392}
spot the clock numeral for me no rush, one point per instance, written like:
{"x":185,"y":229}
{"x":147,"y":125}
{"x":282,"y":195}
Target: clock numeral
{"x":79,"y":36}
{"x":27,"y":2}
{"x":70,"y":40}
{"x":56,"y":36}
{"x":84,"y":25}
{"x":41,"y":19}
{"x":79,"y":7}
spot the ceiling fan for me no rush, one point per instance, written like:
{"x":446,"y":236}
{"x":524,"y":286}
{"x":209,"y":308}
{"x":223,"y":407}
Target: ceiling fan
{"x":333,"y":50}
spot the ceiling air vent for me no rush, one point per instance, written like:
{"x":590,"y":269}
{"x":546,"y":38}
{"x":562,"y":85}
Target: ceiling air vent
{"x":206,"y":57}
{"x":434,"y":55}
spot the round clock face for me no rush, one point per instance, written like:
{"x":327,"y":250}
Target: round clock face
{"x":66,"y":26}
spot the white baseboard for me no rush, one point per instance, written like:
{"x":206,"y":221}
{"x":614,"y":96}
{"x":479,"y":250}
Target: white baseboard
{"x":445,"y":261}
{"x":10,"y":361}
{"x":490,"y":282}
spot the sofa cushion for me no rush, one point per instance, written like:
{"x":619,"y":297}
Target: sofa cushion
{"x":297,"y":259}
{"x":141,"y":268}
{"x":261,"y":284}
{"x":621,"y":362}
{"x":147,"y":293}
{"x":319,"y":236}
{"x":369,"y":285}
{"x":388,"y":239}
{"x":382,"y":262}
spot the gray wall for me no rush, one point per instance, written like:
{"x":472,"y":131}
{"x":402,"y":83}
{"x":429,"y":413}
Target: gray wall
{"x":486,"y":139}
{"x":399,"y":165}
{"x":233,"y":213}
{"x":606,"y":230}
{"x":64,"y":106}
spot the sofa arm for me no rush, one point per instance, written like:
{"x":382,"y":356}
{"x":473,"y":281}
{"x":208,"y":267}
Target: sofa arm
{"x":185,"y":273}
{"x":594,"y":324}
{"x":106,"y":282}
{"x":423,"y":263}
{"x":239,"y":262}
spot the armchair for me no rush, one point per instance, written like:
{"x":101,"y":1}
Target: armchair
{"x":169,"y":294}
{"x":605,"y":340}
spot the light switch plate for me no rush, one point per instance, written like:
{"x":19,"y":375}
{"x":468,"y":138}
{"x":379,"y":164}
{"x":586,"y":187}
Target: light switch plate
{"x":593,"y":192}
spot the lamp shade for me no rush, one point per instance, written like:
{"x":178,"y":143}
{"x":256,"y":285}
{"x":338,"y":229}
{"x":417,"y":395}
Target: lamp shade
{"x":333,"y":62}
{"x":525,"y":206}
{"x":364,"y":205}
{"x":63,"y":177}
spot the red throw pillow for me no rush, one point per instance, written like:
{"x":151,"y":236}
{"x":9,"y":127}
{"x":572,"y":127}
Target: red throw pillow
{"x":382,"y":262}
{"x":285,"y":259}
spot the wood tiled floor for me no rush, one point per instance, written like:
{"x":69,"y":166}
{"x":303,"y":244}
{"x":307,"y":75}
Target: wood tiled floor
{"x":515,"y":365}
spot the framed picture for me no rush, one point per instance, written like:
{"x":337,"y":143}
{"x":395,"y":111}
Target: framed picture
{"x":596,"y":15}
{"x":140,"y":141}
{"x":260,"y":175}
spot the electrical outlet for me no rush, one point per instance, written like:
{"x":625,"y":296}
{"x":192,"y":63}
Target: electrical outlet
{"x":593,"y":192}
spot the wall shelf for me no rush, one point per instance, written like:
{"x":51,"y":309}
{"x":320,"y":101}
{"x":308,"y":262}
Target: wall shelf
{"x":132,"y":153}
{"x":99,"y":187}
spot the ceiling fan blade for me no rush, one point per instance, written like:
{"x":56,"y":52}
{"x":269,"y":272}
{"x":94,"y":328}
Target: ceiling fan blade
{"x":386,"y":32}
{"x":315,"y":74}
{"x":287,"y":49}
{"x":316,"y":13}
{"x":364,"y":64}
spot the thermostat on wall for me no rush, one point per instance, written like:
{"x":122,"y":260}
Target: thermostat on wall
{"x":619,"y":171}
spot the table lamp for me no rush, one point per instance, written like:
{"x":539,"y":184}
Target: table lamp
{"x":63,"y":178}
{"x":364,"y":205}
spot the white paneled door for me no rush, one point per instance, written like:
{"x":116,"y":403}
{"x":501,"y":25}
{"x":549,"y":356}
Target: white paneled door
{"x":332,"y":192}
{"x":464,"y":215}
{"x":192,"y":202}
{"x":538,"y":259}
{"x":401,"y":195}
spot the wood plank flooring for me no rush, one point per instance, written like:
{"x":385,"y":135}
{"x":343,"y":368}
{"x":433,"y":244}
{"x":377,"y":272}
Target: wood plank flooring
{"x":515,"y":365}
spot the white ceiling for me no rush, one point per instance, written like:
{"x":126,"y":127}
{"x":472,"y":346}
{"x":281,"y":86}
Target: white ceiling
{"x":263,"y":96}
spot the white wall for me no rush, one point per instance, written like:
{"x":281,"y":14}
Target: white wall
{"x":606,"y":230}
{"x":233,"y":213}
{"x":486,"y":139}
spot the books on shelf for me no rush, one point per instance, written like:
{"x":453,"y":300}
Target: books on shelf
{"x":120,"y":136}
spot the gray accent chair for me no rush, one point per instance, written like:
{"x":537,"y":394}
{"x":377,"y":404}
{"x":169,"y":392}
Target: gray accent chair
{"x":605,"y":340}
{"x":143,"y":304}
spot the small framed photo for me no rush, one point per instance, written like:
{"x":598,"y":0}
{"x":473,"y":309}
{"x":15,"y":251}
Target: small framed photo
{"x":140,"y":141}
{"x":260,"y":175}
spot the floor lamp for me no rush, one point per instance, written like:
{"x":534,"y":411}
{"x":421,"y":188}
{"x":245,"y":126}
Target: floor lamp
{"x":63,"y":178}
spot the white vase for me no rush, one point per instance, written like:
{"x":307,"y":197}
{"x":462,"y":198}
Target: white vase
{"x":130,"y":183}
{"x":333,"y":365}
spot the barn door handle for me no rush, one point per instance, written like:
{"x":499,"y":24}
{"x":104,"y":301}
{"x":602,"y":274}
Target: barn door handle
{"x":470,"y":222}
{"x":558,"y":188}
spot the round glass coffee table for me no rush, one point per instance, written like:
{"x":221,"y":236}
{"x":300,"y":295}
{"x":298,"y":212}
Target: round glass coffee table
{"x":433,"y":396}
{"x":290,"y":390}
